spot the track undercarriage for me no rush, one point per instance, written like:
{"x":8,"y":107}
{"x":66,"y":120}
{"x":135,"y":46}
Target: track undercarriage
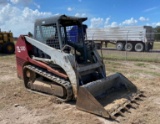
{"x":111,"y":104}
{"x":47,"y":83}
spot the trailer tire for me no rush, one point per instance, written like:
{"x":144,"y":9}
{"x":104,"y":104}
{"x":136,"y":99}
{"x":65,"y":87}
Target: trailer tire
{"x":98,"y":45}
{"x":119,"y":46}
{"x":139,"y":47}
{"x":128,"y":47}
{"x":1,"y":49}
{"x":9,"y":48}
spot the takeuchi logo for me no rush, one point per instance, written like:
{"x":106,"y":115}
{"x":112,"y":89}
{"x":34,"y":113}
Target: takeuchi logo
{"x":20,"y":48}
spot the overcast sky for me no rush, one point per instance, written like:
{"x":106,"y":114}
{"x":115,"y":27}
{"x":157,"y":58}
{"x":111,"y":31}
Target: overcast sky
{"x":19,"y":15}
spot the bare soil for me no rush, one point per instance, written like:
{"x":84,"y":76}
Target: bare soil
{"x":20,"y":106}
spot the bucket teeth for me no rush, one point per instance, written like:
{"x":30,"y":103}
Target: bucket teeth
{"x":130,"y":103}
{"x":127,"y":109}
{"x":131,"y":106}
{"x":142,"y":95}
{"x":135,"y":102}
{"x":138,"y":99}
{"x":113,"y":117}
{"x":121,"y":113}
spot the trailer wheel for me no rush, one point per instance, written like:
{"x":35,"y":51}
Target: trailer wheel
{"x":128,"y":47}
{"x":1,"y":48}
{"x":139,"y":47}
{"x":9,"y":48}
{"x":119,"y":46}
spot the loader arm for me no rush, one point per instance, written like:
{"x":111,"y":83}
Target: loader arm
{"x":64,"y":60}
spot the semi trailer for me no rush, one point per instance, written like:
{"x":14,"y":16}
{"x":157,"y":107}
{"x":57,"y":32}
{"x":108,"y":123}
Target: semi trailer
{"x":129,"y":38}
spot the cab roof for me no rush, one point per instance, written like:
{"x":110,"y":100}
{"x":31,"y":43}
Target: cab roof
{"x":62,"y":19}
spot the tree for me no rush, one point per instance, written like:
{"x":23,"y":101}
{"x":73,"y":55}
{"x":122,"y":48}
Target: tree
{"x":157,"y":33}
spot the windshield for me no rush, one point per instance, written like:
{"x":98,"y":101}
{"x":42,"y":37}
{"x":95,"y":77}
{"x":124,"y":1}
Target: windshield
{"x":72,"y":34}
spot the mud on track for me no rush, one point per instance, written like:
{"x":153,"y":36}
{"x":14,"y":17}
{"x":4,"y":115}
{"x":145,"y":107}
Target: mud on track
{"x":17,"y":105}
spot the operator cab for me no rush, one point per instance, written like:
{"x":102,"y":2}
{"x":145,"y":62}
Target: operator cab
{"x":64,"y":33}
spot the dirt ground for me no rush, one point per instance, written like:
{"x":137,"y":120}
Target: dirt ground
{"x":19,"y":106}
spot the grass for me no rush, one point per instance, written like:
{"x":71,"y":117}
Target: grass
{"x":132,"y":59}
{"x":133,"y":56}
{"x":147,"y":72}
{"x":114,"y":66}
{"x":140,"y":64}
{"x":111,"y":45}
{"x":8,"y":57}
{"x":156,"y":45}
{"x":134,"y":68}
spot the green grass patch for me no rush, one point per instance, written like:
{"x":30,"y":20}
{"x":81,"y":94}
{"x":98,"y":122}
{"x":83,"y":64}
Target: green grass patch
{"x":131,"y":56}
{"x":110,"y":45}
{"x":113,"y":63}
{"x":140,"y":64}
{"x":156,"y":46}
{"x":131,"y":59}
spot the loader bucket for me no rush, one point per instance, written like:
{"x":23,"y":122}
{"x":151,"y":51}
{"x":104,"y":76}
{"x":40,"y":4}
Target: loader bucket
{"x":107,"y":97}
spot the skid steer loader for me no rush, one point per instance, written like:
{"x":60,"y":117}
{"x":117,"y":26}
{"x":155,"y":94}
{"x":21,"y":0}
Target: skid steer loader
{"x":58,"y":61}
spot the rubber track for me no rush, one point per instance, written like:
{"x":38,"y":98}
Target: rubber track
{"x":58,"y":80}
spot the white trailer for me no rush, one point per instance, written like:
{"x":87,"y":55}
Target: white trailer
{"x":138,"y":38}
